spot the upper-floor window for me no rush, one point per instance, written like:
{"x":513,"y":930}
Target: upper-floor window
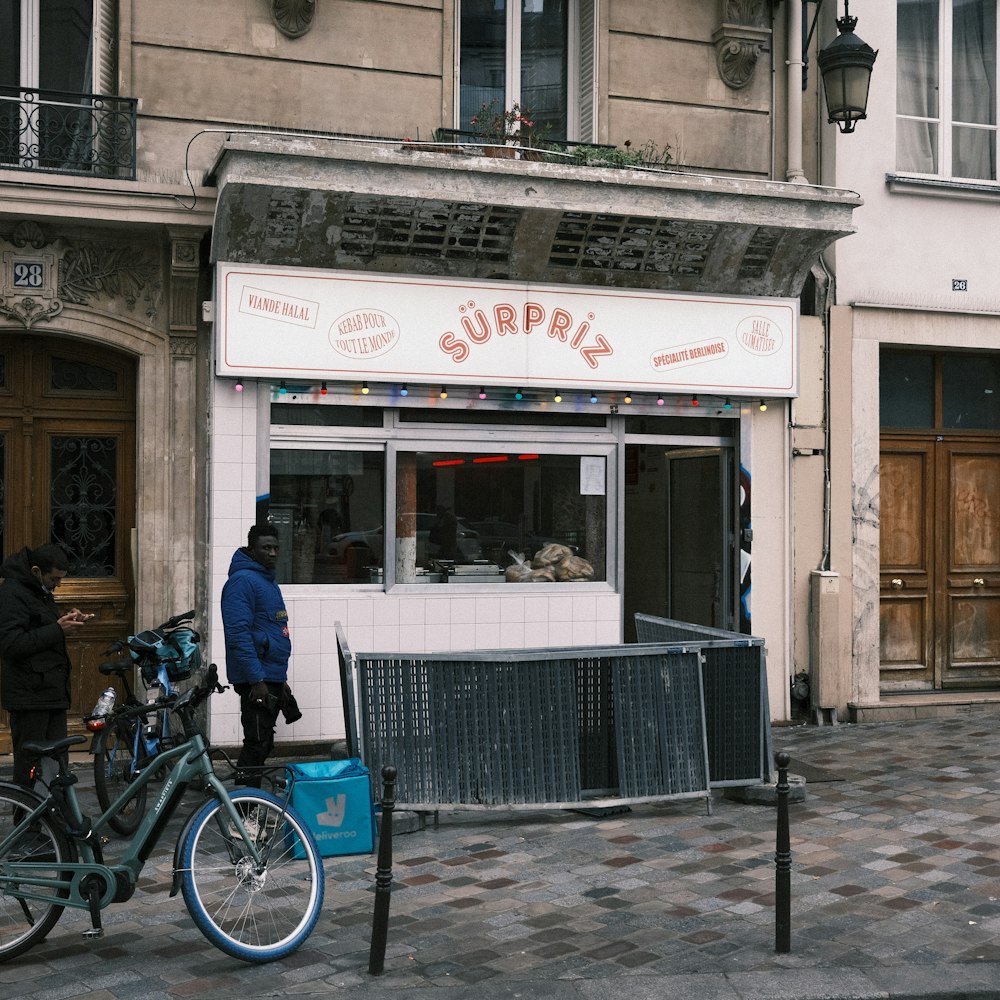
{"x":946,"y":88}
{"x":57,"y":45}
{"x":538,"y":54}
{"x":58,"y":111}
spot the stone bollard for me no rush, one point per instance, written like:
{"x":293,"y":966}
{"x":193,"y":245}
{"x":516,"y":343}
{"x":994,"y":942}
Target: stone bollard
{"x":383,"y":875}
{"x":782,"y":863}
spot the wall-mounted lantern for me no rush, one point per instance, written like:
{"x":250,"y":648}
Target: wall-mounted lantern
{"x":846,"y":65}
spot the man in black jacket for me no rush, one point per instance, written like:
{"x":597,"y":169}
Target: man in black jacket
{"x":34,"y":665}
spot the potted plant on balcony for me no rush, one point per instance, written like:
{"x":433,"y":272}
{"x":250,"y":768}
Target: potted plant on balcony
{"x":500,"y":128}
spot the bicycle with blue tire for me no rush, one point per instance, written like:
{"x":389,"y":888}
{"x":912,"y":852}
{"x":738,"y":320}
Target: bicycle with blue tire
{"x":245,"y":862}
{"x":125,"y":741}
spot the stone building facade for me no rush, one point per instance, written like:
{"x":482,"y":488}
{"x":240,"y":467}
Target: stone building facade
{"x":303,"y":141}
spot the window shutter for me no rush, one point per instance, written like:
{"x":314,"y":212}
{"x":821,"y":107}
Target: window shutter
{"x":587,"y":79}
{"x":105,"y":42}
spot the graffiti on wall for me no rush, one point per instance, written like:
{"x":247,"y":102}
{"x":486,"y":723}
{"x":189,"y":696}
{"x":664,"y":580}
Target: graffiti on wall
{"x":746,"y":535}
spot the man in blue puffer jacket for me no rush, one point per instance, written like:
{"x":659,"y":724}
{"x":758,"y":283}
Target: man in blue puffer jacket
{"x":258,"y":645}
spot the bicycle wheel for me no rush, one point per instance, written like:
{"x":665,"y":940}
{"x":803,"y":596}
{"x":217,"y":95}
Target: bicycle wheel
{"x":24,"y":922}
{"x":254,"y":913}
{"x":115,"y":767}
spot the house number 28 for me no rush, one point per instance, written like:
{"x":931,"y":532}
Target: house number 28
{"x":28,"y":274}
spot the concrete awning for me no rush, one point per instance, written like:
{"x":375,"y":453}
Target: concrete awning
{"x":393,"y":208}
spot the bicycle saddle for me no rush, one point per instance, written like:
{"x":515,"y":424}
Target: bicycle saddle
{"x":46,"y":749}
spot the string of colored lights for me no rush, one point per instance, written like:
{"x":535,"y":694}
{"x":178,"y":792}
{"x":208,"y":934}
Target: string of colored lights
{"x":519,"y":395}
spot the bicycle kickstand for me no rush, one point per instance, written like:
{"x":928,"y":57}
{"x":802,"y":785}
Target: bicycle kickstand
{"x":94,"y":901}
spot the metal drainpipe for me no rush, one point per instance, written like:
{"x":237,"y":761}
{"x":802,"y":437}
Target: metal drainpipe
{"x":793,"y":60}
{"x":774,"y":100}
{"x":829,"y":283}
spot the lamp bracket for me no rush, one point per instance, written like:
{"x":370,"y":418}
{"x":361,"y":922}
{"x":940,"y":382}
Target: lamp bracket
{"x":807,"y":35}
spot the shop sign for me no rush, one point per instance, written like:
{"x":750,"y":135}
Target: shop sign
{"x":275,"y":322}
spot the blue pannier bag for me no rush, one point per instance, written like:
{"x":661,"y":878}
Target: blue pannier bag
{"x":178,"y":650}
{"x":335,"y":800}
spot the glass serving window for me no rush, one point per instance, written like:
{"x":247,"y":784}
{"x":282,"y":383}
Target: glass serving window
{"x":500,"y":516}
{"x":327,"y":506}
{"x":477,"y":517}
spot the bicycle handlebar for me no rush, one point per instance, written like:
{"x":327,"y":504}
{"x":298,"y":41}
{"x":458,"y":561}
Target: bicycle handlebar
{"x":195,"y":695}
{"x":175,"y":621}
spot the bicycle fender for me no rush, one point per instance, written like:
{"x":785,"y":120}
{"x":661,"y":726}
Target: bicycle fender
{"x":175,"y":884}
{"x":10,"y":786}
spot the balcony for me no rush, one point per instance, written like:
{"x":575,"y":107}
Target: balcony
{"x":65,"y":133}
{"x":370,"y":205}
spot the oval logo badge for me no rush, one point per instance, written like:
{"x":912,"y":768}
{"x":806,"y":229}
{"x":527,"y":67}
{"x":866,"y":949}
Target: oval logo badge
{"x":364,"y":333}
{"x":759,"y":335}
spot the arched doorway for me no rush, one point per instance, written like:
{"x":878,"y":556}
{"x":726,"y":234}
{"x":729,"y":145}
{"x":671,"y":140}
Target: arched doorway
{"x":67,"y":475}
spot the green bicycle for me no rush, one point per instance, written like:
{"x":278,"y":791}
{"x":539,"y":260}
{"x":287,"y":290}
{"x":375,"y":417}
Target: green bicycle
{"x":245,"y":862}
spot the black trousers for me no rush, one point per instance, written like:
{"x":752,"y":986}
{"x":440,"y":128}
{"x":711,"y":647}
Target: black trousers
{"x":258,"y":723}
{"x":31,"y":725}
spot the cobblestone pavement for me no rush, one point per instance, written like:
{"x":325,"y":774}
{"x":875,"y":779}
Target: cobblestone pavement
{"x":895,"y":886}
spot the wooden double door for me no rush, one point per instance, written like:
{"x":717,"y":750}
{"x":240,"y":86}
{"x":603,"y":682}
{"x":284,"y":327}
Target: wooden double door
{"x":940,"y":562}
{"x":67,"y":475}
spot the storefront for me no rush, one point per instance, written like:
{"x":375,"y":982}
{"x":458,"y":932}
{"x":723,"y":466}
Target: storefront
{"x":476,"y":451}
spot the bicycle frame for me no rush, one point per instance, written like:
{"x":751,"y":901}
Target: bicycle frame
{"x":152,"y":744}
{"x":131,"y":707}
{"x":191,"y":761}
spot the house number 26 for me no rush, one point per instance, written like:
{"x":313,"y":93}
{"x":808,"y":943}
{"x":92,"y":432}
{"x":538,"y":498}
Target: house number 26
{"x":28,"y":275}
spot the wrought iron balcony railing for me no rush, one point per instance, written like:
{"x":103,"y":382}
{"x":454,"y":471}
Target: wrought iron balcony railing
{"x":67,"y":133}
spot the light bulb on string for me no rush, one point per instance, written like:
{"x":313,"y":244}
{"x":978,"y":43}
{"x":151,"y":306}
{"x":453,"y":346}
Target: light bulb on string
{"x":763,"y":406}
{"x":728,"y":404}
{"x":364,"y":389}
{"x":444,"y":393}
{"x":403,"y":391}
{"x":239,"y":385}
{"x":482,"y":392}
{"x":519,"y":394}
{"x":593,"y":397}
{"x":557,"y":398}
{"x":628,"y":397}
{"x":659,"y":401}
{"x":323,"y":389}
{"x":694,"y":401}
{"x":282,"y":388}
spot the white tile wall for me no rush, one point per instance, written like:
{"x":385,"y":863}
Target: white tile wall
{"x":373,"y":621}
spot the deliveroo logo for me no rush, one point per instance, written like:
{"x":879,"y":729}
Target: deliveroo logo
{"x":336,"y":807}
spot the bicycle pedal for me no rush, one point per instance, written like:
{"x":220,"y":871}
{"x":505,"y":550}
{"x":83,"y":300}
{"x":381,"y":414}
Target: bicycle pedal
{"x":93,"y":932}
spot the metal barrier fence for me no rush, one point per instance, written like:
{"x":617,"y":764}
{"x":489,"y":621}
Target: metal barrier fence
{"x":569,"y":728}
{"x":737,"y":712}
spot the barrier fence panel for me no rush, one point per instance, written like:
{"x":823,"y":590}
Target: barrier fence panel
{"x":515,"y":728}
{"x":737,"y":711}
{"x":659,"y":715}
{"x":346,"y":665}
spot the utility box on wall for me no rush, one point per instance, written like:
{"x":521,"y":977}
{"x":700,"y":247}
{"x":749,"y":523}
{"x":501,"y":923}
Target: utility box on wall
{"x":824,"y":643}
